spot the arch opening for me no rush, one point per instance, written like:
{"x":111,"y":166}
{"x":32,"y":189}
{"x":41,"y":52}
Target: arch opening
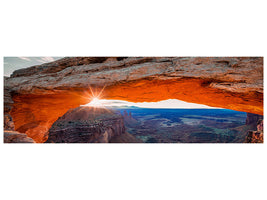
{"x":34,"y":114}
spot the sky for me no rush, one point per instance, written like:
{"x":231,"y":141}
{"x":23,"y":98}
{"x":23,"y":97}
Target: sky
{"x":170,"y":103}
{"x":13,"y":63}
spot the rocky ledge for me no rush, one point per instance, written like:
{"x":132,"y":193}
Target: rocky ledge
{"x":233,"y":74}
{"x":16,"y":137}
{"x":89,"y":125}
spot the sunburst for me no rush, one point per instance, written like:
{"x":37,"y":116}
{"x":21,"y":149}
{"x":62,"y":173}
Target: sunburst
{"x":95,"y":97}
{"x":95,"y":102}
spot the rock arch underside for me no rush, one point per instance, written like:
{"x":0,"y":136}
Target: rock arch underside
{"x":36,"y":96}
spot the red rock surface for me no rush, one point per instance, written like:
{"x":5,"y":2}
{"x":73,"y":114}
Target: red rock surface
{"x":43,"y":93}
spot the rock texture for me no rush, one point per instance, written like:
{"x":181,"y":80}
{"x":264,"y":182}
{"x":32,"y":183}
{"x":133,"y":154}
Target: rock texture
{"x":43,"y":93}
{"x":230,"y":74}
{"x":16,"y":137}
{"x":253,"y":120}
{"x":256,"y":136}
{"x":8,"y":102}
{"x":125,"y":138}
{"x":86,"y":125}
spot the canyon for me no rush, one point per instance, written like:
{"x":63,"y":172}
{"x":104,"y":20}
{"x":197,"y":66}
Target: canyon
{"x":35,"y":97}
{"x":159,"y":125}
{"x":89,"y":125}
{"x":255,"y":136}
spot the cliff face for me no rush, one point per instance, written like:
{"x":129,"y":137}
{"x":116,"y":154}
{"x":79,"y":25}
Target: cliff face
{"x":86,"y":125}
{"x":253,"y":119}
{"x":8,"y":102}
{"x":128,"y":119}
{"x":256,"y":136}
{"x":43,"y":93}
{"x":16,"y":137}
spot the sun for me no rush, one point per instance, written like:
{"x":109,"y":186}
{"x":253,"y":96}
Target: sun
{"x":95,"y":102}
{"x":95,"y":97}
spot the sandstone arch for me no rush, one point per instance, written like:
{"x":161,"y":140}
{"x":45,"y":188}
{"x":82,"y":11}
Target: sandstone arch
{"x":43,"y":93}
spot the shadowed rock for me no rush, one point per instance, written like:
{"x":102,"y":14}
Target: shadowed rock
{"x":256,"y":136}
{"x":87,"y":125}
{"x":16,"y":137}
{"x":253,"y":119}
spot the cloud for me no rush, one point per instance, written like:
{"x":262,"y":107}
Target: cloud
{"x":41,"y":61}
{"x":25,"y":58}
{"x":48,"y":59}
{"x":45,"y":59}
{"x":14,"y":63}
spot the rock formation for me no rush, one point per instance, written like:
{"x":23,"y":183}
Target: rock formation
{"x":86,"y":125}
{"x":43,"y":93}
{"x":253,"y":119}
{"x":128,"y":119}
{"x":256,"y":136}
{"x":125,"y":138}
{"x":16,"y":137}
{"x":8,"y":102}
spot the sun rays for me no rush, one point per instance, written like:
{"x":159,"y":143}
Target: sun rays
{"x":95,"y":95}
{"x":92,"y":96}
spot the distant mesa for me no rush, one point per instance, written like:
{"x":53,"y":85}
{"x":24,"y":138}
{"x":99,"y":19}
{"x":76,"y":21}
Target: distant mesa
{"x":128,"y":118}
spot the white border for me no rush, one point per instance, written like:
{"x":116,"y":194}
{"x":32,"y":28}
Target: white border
{"x":139,"y":28}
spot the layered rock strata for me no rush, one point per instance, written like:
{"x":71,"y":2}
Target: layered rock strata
{"x":256,"y":136}
{"x":253,"y":120}
{"x":86,"y":125}
{"x":8,"y":102}
{"x":43,"y":93}
{"x":16,"y":137}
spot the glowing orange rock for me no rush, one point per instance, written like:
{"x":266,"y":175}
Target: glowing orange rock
{"x":190,"y":90}
{"x":34,"y":114}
